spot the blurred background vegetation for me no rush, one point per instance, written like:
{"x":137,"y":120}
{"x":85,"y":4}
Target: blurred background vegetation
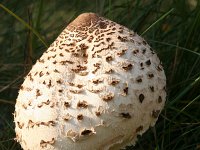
{"x":171,"y":27}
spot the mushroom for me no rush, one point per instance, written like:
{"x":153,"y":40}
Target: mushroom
{"x":98,"y":86}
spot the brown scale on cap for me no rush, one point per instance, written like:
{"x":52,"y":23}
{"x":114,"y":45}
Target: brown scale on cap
{"x":79,"y":117}
{"x":60,"y":90}
{"x":109,"y":58}
{"x":108,"y":39}
{"x":75,"y":91}
{"x":90,"y":38}
{"x":66,"y":62}
{"x":73,"y":44}
{"x":54,"y":62}
{"x":135,"y":51}
{"x":125,"y":90}
{"x":38,"y":93}
{"x":28,"y":89}
{"x":94,"y":89}
{"x":24,"y":106}
{"x":44,"y":143}
{"x":113,"y":29}
{"x":29,"y":103}
{"x":76,"y":54}
{"x":121,"y":29}
{"x":47,"y":102}
{"x":127,"y":67}
{"x":52,"y":50}
{"x":125,"y":115}
{"x":21,"y":87}
{"x":97,"y":81}
{"x":31,"y":124}
{"x":111,"y":46}
{"x":102,"y":25}
{"x":155,"y":113}
{"x":86,"y":132}
{"x":107,"y":96}
{"x":83,"y":47}
{"x":143,"y":50}
{"x":148,"y":62}
{"x":139,"y":79}
{"x":41,"y":74}
{"x":150,"y":75}
{"x":59,"y":81}
{"x":140,"y":128}
{"x":52,"y":104}
{"x":67,"y":117}
{"x":159,"y":99}
{"x":35,"y":73}
{"x":20,"y":125}
{"x":48,"y":58}
{"x":122,"y":39}
{"x":141,"y":64}
{"x":71,"y":83}
{"x":79,"y":86}
{"x":55,"y":70}
{"x":79,"y":68}
{"x":109,"y":71}
{"x":61,"y":55}
{"x":159,"y":68}
{"x":164,"y":88}
{"x":113,"y":81}
{"x":67,"y":104}
{"x":121,"y":52}
{"x":41,"y":60}
{"x":97,"y":65}
{"x":82,"y":104}
{"x":54,"y":56}
{"x":44,"y":82}
{"x":30,"y":77}
{"x":110,"y":33}
{"x":144,"y":42}
{"x":40,"y":105}
{"x":98,"y":113}
{"x":49,"y":123}
{"x":141,"y":98}
{"x":152,"y":88}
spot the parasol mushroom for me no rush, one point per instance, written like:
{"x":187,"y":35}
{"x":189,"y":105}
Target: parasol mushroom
{"x":98,"y":86}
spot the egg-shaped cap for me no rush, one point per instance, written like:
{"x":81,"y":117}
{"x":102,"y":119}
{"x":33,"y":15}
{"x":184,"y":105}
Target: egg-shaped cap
{"x":98,"y":86}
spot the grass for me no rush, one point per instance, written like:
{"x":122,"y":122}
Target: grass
{"x":171,"y":27}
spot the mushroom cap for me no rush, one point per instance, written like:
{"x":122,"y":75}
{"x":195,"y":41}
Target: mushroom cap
{"x":98,"y":86}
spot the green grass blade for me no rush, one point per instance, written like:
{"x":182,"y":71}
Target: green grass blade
{"x":25,"y":24}
{"x":185,"y":108}
{"x":184,"y":91}
{"x":172,"y":45}
{"x":37,"y":26}
{"x":159,"y":19}
{"x":7,"y":102}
